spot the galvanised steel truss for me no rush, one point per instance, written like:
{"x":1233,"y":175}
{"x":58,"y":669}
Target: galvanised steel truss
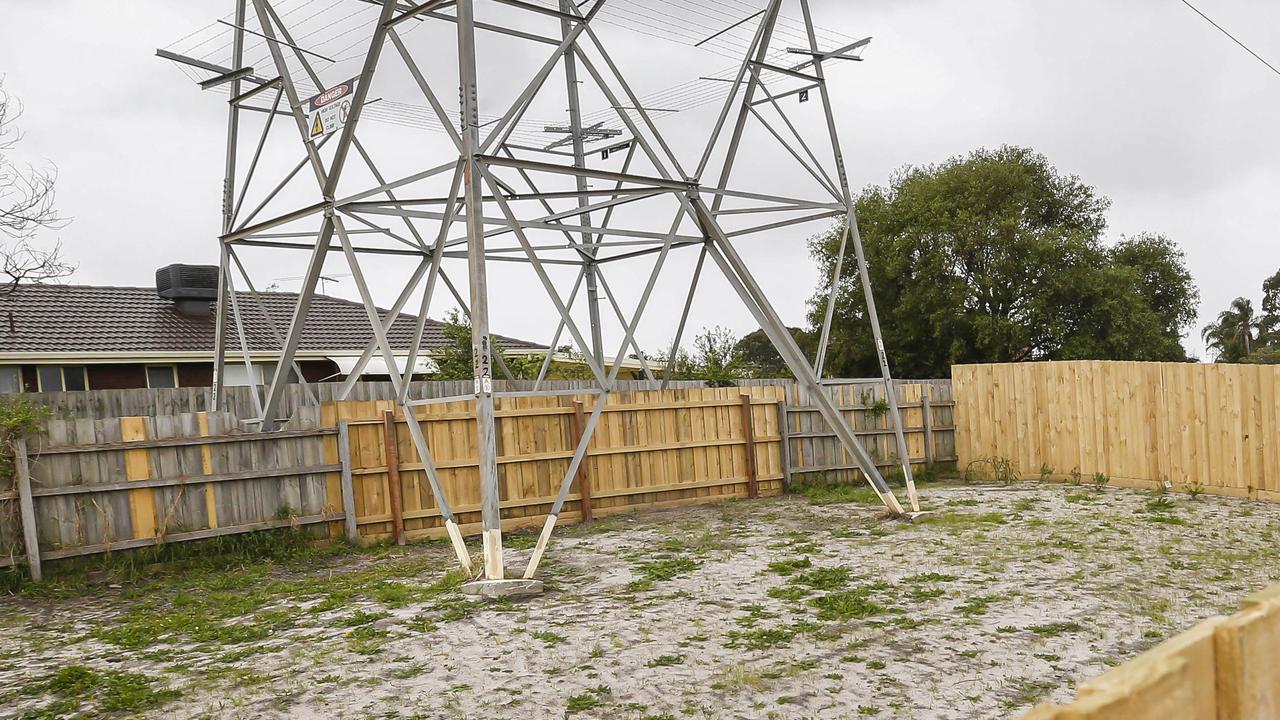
{"x":538,"y":193}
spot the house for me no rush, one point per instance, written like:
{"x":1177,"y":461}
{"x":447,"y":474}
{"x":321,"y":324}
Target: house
{"x":81,"y":337}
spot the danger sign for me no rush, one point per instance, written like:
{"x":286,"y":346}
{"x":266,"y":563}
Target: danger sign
{"x":328,"y":111}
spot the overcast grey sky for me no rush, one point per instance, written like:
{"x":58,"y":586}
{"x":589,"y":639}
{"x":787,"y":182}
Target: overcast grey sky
{"x":1141,"y":99}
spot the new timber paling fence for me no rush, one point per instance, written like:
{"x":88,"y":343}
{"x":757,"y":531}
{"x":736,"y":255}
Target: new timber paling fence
{"x":94,"y":486}
{"x":651,"y":449}
{"x":1222,"y":669}
{"x":1207,"y":427}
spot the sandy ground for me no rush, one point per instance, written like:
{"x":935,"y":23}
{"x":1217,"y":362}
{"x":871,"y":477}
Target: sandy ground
{"x":773,"y":609}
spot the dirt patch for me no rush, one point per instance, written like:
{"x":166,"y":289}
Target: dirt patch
{"x":770,"y":609}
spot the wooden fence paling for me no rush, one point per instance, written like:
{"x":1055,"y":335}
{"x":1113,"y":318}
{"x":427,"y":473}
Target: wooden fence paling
{"x":394,"y":490}
{"x":584,"y":477}
{"x":927,"y":407}
{"x":27,"y":510}
{"x":749,"y":440}
{"x":348,"y":491}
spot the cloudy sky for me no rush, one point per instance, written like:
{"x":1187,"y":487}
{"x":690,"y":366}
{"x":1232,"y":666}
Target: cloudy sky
{"x":1141,"y":99}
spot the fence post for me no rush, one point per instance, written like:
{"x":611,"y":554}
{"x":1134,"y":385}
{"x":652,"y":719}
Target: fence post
{"x":348,"y":489}
{"x":584,"y":478}
{"x":784,"y":429}
{"x":391,"y":443}
{"x":27,"y":508}
{"x":749,"y":437}
{"x":927,"y":411}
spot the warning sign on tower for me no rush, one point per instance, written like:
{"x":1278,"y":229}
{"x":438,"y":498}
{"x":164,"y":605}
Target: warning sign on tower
{"x":327,"y":112}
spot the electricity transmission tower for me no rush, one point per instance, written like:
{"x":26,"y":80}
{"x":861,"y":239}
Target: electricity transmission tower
{"x":516,"y":190}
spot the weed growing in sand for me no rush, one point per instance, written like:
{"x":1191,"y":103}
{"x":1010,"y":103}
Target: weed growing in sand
{"x":666,"y":661}
{"x":822,"y":578}
{"x":589,"y":700}
{"x":846,"y":605}
{"x":109,"y":691}
{"x":1055,"y":629}
{"x":548,"y":638}
{"x":788,"y":567}
{"x":659,"y":570}
{"x":1195,"y":489}
{"x":1100,"y":481}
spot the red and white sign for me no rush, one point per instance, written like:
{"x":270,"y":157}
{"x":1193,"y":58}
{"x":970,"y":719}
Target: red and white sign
{"x":328,"y":111}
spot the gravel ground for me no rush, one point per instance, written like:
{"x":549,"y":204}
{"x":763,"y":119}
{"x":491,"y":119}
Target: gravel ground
{"x":793,"y":607}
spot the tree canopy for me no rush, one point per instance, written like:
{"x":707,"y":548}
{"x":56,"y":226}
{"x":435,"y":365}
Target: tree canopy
{"x":998,"y":257}
{"x":1239,"y":334}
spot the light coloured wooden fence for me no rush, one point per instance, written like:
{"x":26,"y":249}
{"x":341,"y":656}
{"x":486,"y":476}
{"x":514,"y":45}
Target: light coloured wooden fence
{"x":1141,"y":424}
{"x":1225,"y":668}
{"x":926,"y":408}
{"x":651,"y":449}
{"x":95,"y":486}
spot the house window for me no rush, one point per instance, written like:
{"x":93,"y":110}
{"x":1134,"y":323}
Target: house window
{"x":10,"y":379}
{"x":53,"y":378}
{"x":235,"y":375}
{"x":162,"y":376}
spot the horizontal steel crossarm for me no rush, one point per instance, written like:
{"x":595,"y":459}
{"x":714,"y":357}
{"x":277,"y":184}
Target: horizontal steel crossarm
{"x":785,"y":223}
{"x":285,"y":219}
{"x":412,"y":13}
{"x":528,"y":225}
{"x":785,"y":71}
{"x":204,"y":65}
{"x":549,"y":195}
{"x":535,"y":166}
{"x":407,"y":180}
{"x":812,"y":204}
{"x":381,"y":231}
{"x":787,"y":94}
{"x":362,"y":250}
{"x":837,"y":53}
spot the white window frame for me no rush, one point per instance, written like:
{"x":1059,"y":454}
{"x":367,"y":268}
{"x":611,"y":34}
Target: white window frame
{"x":62,"y":371}
{"x":17,"y":369}
{"x":146,"y":369}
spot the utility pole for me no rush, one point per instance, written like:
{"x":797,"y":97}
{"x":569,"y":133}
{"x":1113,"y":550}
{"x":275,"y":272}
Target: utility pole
{"x":217,"y":401}
{"x":580,"y":161}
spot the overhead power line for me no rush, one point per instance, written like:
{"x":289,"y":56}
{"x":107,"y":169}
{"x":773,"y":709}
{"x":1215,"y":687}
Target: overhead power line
{"x":1233,"y":37}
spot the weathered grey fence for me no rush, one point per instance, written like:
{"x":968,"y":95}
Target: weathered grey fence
{"x":93,"y":486}
{"x":928,"y":412}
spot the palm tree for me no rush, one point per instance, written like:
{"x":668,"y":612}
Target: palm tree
{"x":1233,"y":336}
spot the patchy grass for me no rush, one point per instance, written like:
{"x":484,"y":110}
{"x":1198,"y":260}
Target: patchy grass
{"x":773,"y":609}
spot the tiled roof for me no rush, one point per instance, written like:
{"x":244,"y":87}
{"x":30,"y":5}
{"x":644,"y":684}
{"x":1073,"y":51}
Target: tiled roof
{"x":91,"y":319}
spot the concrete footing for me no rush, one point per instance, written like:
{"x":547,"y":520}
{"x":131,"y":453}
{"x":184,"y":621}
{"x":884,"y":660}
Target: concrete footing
{"x":503,"y":589}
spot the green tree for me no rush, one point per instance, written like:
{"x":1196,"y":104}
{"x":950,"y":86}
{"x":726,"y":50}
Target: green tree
{"x":1269,"y":333}
{"x":715,"y":359}
{"x":761,"y":360}
{"x":1233,"y":336}
{"x":997,"y":257}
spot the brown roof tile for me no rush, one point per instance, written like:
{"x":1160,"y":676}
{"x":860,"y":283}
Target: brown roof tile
{"x":93,"y":319}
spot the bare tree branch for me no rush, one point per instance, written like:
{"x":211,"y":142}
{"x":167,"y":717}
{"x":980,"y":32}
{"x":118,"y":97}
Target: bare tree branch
{"x":26,"y":207}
